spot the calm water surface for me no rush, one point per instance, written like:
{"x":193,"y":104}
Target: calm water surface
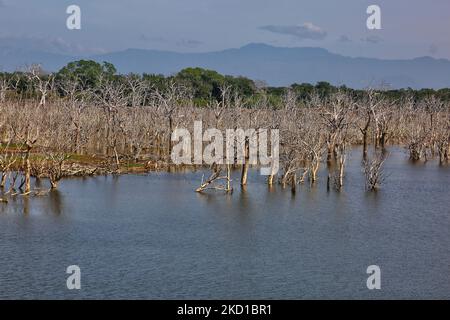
{"x":151,"y":236}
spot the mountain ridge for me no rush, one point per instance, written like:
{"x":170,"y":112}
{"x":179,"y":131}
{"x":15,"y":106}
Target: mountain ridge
{"x":278,"y":66}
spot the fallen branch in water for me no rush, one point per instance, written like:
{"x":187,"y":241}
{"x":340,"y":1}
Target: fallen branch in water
{"x":215,"y":177}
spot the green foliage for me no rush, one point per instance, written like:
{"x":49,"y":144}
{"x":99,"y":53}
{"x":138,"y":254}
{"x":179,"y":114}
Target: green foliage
{"x":206,"y":85}
{"x":303,"y":90}
{"x":241,"y":85}
{"x":155,"y":81}
{"x":202,"y":85}
{"x":87,"y":73}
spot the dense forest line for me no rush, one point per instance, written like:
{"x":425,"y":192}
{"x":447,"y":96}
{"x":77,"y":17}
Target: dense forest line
{"x":86,"y":119}
{"x":202,"y":86}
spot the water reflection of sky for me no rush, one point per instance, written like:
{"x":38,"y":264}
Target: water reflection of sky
{"x":152,"y":236}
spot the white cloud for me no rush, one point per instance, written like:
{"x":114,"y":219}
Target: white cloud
{"x":306,"y":31}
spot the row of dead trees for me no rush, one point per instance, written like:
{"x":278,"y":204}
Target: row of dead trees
{"x":39,"y":136}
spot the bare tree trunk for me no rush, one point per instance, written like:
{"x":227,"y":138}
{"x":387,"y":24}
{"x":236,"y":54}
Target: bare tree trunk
{"x":365,"y":132}
{"x":54,"y":184}
{"x":43,"y":100}
{"x":314,"y":170}
{"x":383,"y":140}
{"x":3,"y":180}
{"x":365,"y":144}
{"x":341,"y":169}
{"x":330,"y":151}
{"x":294,"y":182}
{"x":284,"y":180}
{"x":228,"y":178}
{"x":27,"y":172}
{"x":170,"y":140}
{"x":117,"y":159}
{"x":245,"y":166}
{"x":77,"y":140}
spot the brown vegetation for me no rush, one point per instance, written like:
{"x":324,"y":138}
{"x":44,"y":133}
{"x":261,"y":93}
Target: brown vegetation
{"x":119,"y":128}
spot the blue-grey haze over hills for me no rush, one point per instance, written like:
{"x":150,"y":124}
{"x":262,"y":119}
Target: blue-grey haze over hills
{"x":277,"y":66}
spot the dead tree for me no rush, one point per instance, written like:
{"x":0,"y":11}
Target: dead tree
{"x":439,"y":122}
{"x":246,"y":164}
{"x":253,"y":116}
{"x":342,"y":141}
{"x":137,"y":88}
{"x":312,"y":138}
{"x":74,"y":104}
{"x":29,"y":143}
{"x":27,"y":133}
{"x":335,"y":114}
{"x":443,"y":142}
{"x":292,"y":158}
{"x":365,"y":111}
{"x":384,"y":125}
{"x":167,"y":102}
{"x":213,"y":182}
{"x":416,"y":132}
{"x":7,"y":160}
{"x":55,"y":170}
{"x":42,"y":82}
{"x":111,"y":97}
{"x":4,"y":87}
{"x":341,"y":157}
{"x":373,"y":172}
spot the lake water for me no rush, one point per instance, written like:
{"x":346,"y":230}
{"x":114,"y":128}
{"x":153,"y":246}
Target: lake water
{"x":151,"y":236}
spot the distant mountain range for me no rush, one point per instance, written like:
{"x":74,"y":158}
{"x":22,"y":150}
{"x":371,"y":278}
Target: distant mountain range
{"x":275,"y":65}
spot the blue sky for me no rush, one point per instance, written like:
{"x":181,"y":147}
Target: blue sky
{"x":410,"y":28}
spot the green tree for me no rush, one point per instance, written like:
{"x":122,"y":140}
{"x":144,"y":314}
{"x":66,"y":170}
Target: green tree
{"x":204,"y":84}
{"x":87,"y":73}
